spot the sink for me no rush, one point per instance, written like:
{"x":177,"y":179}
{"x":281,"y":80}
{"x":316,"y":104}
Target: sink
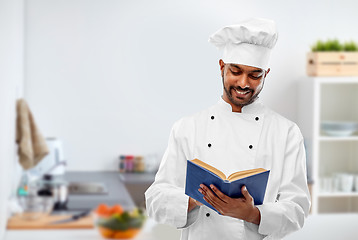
{"x":87,"y":188}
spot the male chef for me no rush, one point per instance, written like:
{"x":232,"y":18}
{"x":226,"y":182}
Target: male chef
{"x":237,"y":133}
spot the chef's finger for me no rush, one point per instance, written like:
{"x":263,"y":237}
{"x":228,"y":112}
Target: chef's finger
{"x":215,"y":201}
{"x":218,"y":193}
{"x":214,"y":204}
{"x":210,"y":194}
{"x":203,"y":189}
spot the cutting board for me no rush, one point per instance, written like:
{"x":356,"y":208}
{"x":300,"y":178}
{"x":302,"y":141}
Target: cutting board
{"x":17,"y":222}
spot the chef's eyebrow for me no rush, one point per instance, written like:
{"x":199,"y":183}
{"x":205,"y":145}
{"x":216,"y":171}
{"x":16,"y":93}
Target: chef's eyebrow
{"x":237,"y":67}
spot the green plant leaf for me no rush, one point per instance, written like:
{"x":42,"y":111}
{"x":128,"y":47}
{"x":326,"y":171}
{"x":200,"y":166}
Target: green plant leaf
{"x":334,"y":45}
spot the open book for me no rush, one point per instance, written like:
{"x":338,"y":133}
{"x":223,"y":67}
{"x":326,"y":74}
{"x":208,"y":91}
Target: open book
{"x":199,"y":172}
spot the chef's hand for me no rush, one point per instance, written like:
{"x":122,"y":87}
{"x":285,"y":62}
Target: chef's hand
{"x":242,"y":208}
{"x":193,"y":203}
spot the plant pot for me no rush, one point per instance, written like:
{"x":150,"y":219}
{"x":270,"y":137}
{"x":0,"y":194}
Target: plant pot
{"x":332,"y":64}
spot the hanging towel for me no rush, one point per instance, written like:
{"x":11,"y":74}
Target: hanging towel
{"x":32,"y":145}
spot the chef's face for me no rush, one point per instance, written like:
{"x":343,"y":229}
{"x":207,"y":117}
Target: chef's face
{"x":242,"y":84}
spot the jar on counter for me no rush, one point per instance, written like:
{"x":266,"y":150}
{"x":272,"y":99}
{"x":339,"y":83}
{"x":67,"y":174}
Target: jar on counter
{"x":139,"y":164}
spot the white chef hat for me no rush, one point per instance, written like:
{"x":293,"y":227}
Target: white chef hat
{"x":247,"y":43}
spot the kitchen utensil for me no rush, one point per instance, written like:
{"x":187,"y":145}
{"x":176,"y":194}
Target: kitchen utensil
{"x":74,"y":217}
{"x":336,"y":184}
{"x":356,"y":183}
{"x":56,"y":186}
{"x":326,"y":184}
{"x":347,"y":181}
{"x":34,"y":206}
{"x":339,"y":128}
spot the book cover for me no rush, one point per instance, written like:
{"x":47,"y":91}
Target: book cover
{"x":196,"y":175}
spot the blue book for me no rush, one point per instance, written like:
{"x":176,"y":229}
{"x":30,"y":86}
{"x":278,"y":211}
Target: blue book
{"x":199,"y":172}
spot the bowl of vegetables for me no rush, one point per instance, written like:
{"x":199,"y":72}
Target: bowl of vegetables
{"x":112,"y":222}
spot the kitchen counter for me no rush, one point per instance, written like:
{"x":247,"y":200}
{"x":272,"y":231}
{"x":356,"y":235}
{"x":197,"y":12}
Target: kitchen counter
{"x":70,"y":234}
{"x":150,"y":231}
{"x":112,"y":192}
{"x":323,"y":226}
{"x":117,"y":193}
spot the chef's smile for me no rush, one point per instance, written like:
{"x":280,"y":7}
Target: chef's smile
{"x":241,"y":94}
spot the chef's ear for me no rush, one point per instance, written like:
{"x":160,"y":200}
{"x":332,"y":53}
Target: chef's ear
{"x":268,"y":70}
{"x":222,"y":66}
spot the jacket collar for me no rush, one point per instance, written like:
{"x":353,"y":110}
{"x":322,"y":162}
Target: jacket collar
{"x":254,"y":108}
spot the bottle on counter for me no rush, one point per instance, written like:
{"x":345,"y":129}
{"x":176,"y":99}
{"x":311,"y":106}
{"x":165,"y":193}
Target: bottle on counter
{"x":122,"y":165}
{"x":22,"y":190}
{"x":129,"y":163}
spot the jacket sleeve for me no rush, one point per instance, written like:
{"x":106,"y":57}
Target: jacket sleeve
{"x":166,"y":201}
{"x":288,"y":212}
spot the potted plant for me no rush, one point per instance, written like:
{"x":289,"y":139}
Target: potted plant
{"x":332,"y":58}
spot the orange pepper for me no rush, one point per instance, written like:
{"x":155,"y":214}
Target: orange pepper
{"x":103,"y":210}
{"x":116,"y":209}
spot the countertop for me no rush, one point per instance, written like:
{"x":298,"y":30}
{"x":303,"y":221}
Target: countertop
{"x":117,"y":193}
{"x":151,"y":231}
{"x":323,"y":226}
{"x":70,"y":234}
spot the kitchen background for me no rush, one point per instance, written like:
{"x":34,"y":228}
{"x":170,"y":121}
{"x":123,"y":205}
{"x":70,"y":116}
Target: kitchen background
{"x":111,"y":77}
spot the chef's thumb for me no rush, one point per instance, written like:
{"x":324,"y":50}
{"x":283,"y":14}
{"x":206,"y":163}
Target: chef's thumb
{"x":246,"y":193}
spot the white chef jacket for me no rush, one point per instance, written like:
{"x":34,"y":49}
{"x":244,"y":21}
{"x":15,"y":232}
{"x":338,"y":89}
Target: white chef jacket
{"x":230,"y":141}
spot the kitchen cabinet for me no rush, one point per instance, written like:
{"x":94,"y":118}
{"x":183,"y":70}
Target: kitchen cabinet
{"x":329,"y":99}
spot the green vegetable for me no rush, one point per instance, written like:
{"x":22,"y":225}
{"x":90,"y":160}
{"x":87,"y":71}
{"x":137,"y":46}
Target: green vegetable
{"x":124,"y":221}
{"x":113,"y":224}
{"x":333,"y":46}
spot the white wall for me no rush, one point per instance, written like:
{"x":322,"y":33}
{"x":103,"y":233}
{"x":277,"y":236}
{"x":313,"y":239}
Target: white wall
{"x":11,"y":63}
{"x":111,"y":77}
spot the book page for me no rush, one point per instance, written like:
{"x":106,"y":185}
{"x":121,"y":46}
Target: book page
{"x":210,"y":168}
{"x":246,"y":173}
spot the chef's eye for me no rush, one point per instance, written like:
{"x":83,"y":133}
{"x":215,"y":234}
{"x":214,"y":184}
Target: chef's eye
{"x":236,"y":73}
{"x":255,"y":76}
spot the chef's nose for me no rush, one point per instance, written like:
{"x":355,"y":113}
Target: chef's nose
{"x":243,"y":81}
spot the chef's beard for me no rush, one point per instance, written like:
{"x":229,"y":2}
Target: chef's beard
{"x":253,"y":98}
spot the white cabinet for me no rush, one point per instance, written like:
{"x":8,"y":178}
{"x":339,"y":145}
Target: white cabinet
{"x":329,"y":99}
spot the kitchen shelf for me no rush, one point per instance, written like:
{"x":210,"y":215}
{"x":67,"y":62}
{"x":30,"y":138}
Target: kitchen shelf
{"x":329,"y":99}
{"x":338,"y":194}
{"x":332,"y":139}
